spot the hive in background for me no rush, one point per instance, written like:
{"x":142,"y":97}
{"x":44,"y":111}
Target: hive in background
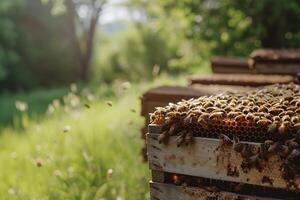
{"x":275,"y":61}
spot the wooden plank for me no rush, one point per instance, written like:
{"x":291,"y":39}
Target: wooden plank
{"x":205,"y":159}
{"x":158,"y":176}
{"x":230,"y":65}
{"x":253,"y":80}
{"x":162,"y":191}
{"x":276,"y":68}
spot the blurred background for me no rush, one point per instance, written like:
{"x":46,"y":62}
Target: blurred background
{"x":72,"y":73}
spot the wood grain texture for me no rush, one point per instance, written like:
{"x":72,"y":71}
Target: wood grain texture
{"x":205,"y":159}
{"x":162,"y":191}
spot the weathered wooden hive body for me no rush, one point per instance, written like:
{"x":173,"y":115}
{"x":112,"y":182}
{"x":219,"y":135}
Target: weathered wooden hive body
{"x":275,"y":61}
{"x":242,"y":145}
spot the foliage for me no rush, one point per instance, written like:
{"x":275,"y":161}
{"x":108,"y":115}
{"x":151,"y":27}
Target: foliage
{"x":69,"y":152}
{"x":34,"y":50}
{"x":238,"y":27}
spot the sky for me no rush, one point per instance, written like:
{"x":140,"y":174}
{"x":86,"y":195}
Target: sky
{"x":114,"y":11}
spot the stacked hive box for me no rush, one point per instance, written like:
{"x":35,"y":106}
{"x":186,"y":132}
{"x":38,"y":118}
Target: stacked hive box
{"x":278,"y":61}
{"x":241,"y":145}
{"x":202,"y":85}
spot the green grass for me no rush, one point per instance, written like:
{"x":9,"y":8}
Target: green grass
{"x":74,"y":164}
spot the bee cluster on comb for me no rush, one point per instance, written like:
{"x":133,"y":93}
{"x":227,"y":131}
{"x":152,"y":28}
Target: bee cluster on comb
{"x":268,"y":115}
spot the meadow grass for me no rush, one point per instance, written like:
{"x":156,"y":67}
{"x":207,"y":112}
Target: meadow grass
{"x":84,"y":149}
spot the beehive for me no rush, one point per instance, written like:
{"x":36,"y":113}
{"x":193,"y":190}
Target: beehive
{"x":275,"y":61}
{"x":229,"y":65}
{"x":161,"y":96}
{"x":251,"y":138}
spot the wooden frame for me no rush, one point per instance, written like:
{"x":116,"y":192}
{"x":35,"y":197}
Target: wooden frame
{"x":163,"y":191}
{"x":204,"y":158}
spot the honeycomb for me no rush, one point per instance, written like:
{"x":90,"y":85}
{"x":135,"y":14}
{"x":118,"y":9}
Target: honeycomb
{"x":271,"y":112}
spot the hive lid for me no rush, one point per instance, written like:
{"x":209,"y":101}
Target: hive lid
{"x":240,"y":79}
{"x":276,"y":55}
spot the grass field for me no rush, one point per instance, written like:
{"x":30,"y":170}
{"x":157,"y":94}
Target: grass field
{"x":85,"y":148}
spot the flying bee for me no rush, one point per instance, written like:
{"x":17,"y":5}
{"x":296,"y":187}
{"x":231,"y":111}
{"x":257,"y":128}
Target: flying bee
{"x":264,"y":122}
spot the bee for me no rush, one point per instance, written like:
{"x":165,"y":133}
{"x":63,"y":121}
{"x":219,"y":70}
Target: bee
{"x":294,"y":154}
{"x":233,"y":114}
{"x":249,"y":116}
{"x":273,"y":147}
{"x":292,"y":144}
{"x":189,"y":118}
{"x":285,"y":118}
{"x":246,"y":151}
{"x":290,"y":112}
{"x":163,"y":137}
{"x":263,"y":109}
{"x":283,"y":150}
{"x":276,"y":111}
{"x":189,"y":138}
{"x":276,"y":118}
{"x":239,"y":117}
{"x":216,"y":115}
{"x":172,"y":129}
{"x":295,"y":120}
{"x":297,"y":126}
{"x":283,"y":128}
{"x":225,"y":140}
{"x":256,"y":118}
{"x":272,"y":128}
{"x":237,"y":146}
{"x":203,"y":122}
{"x":180,"y":139}
{"x":246,"y":111}
{"x":264,"y":122}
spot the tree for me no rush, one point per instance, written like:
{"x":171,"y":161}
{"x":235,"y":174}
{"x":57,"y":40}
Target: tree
{"x":84,"y":40}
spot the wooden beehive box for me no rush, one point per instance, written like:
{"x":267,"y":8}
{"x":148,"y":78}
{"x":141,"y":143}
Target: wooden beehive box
{"x":162,"y":96}
{"x":206,"y":160}
{"x":275,"y":61}
{"x":229,"y":65}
